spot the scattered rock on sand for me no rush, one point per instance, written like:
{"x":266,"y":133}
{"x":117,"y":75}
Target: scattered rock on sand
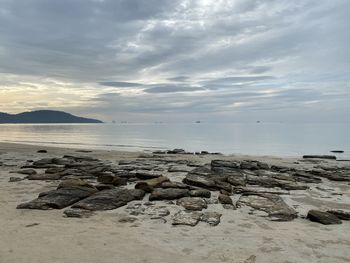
{"x":42,"y":151}
{"x":15,"y":179}
{"x":200,"y":193}
{"x":192,"y":203}
{"x":25,"y":171}
{"x":78,"y":213}
{"x":323,"y":217}
{"x":149,"y":185}
{"x":186,"y":218}
{"x":212,"y":218}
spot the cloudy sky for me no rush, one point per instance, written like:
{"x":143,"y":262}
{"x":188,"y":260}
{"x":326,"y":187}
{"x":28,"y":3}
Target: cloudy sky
{"x":177,"y":60}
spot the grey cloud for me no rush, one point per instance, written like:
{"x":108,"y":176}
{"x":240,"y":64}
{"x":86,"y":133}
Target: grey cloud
{"x":172,"y":89}
{"x":120,"y":84}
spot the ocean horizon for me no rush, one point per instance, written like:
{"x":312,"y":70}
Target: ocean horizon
{"x":276,"y":139}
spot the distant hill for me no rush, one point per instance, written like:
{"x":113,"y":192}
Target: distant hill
{"x":44,"y":116}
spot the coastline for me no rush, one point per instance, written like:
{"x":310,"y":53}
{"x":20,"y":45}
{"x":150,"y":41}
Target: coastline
{"x":46,"y":236}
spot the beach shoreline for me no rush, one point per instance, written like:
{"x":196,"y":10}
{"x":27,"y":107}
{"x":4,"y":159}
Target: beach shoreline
{"x":241,"y":237}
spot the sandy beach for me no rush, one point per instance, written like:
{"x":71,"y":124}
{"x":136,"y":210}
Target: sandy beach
{"x":244,"y":235}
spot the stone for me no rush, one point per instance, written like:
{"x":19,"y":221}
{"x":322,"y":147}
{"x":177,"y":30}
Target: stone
{"x":168,"y":194}
{"x":181,"y":169}
{"x":272,"y":204}
{"x":343,"y":215}
{"x":225,"y":199}
{"x":76,"y":184}
{"x":106,"y":200}
{"x":200,"y":181}
{"x":156,"y":212}
{"x":323,"y":217}
{"x":212,"y":218}
{"x":15,"y":179}
{"x":176,"y":151}
{"x":107,"y":178}
{"x":149,"y":185}
{"x":249,"y":165}
{"x":200,"y":193}
{"x":168,"y":184}
{"x":127,"y":219}
{"x":192,"y":203}
{"x":77,"y":213}
{"x":42,"y":151}
{"x":144,"y":175}
{"x":44,"y":177}
{"x":25,"y":171}
{"x":236,"y":181}
{"x":57,"y":199}
{"x":330,"y":157}
{"x":186,"y":218}
{"x":225,"y":163}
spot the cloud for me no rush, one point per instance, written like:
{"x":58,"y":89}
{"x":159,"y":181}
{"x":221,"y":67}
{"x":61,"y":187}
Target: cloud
{"x":177,"y":58}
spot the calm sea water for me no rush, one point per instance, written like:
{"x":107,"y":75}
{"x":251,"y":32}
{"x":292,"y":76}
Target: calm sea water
{"x":256,"y":138}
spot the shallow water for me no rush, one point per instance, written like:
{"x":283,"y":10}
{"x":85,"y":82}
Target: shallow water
{"x":278,"y":139}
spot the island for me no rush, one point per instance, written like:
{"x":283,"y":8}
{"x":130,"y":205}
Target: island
{"x":44,"y":116}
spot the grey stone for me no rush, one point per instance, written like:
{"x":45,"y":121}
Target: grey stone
{"x":192,"y":203}
{"x":323,"y":217}
{"x":186,"y":218}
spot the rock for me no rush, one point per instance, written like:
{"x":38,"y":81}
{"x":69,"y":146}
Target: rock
{"x":223,"y":186}
{"x":225,"y":163}
{"x":76,"y":184}
{"x":168,"y":184}
{"x":337,"y":151}
{"x":225,"y":199}
{"x":192,"y":203}
{"x":212,"y":218}
{"x":77,"y":213}
{"x":340,"y":214}
{"x":42,"y":151}
{"x":57,"y":199}
{"x":323,"y":217}
{"x":144,"y":175}
{"x":237,"y":181}
{"x":55,"y":170}
{"x":263,"y":166}
{"x":176,"y":151}
{"x":106,"y":200}
{"x":272,"y":204}
{"x":138,"y":194}
{"x":15,"y":179}
{"x":44,"y":177}
{"x":102,"y":187}
{"x":127,"y":219}
{"x":107,"y":178}
{"x":331,"y":157}
{"x":25,"y":171}
{"x":200,"y":193}
{"x":168,"y":194}
{"x":249,"y":165}
{"x":306,"y":178}
{"x":200,"y":181}
{"x":271,"y":182}
{"x":186,"y":218}
{"x":149,"y":185}
{"x":157,"y":212}
{"x":182,"y":168}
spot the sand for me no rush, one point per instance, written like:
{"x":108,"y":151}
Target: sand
{"x":46,"y":236}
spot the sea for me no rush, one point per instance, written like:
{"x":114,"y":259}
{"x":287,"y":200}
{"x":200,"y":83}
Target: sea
{"x":274,"y":139}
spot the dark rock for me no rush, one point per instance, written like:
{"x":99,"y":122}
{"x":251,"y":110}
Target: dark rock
{"x":25,"y":171}
{"x":107,"y":178}
{"x":323,"y":217}
{"x":176,"y":151}
{"x":237,"y":181}
{"x":138,"y":194}
{"x":168,"y":194}
{"x":144,"y":175}
{"x":271,"y":182}
{"x":15,"y":179}
{"x":249,"y":165}
{"x":186,"y":218}
{"x":78,"y":213}
{"x":44,"y":177}
{"x":337,"y":151}
{"x":106,"y":200}
{"x":76,"y":184}
{"x":212,"y":218}
{"x":42,"y":151}
{"x":272,"y":204}
{"x":200,"y":181}
{"x":263,"y":166}
{"x":102,"y":187}
{"x":192,"y":203}
{"x":57,"y":199}
{"x":149,"y":185}
{"x":343,"y":215}
{"x":200,"y":193}
{"x":181,"y":169}
{"x":55,"y":170}
{"x":331,"y":157}
{"x":225,"y":163}
{"x":225,"y":199}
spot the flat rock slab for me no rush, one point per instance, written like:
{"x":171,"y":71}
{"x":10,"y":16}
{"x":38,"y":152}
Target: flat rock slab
{"x":168,"y":194}
{"x":200,"y":193}
{"x":272,"y":204}
{"x":109,"y":199}
{"x":323,"y":217}
{"x":57,"y":199}
{"x":186,"y":218}
{"x":192,"y":203}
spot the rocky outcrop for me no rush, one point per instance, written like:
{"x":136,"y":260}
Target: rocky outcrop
{"x":192,"y":203}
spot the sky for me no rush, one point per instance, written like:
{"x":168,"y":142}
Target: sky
{"x":177,"y":60}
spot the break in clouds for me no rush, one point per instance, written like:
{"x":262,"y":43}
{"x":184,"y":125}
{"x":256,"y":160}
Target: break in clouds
{"x":234,"y":60}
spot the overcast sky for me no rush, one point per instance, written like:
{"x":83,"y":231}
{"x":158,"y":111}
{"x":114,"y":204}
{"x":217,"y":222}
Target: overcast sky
{"x":168,"y":60}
